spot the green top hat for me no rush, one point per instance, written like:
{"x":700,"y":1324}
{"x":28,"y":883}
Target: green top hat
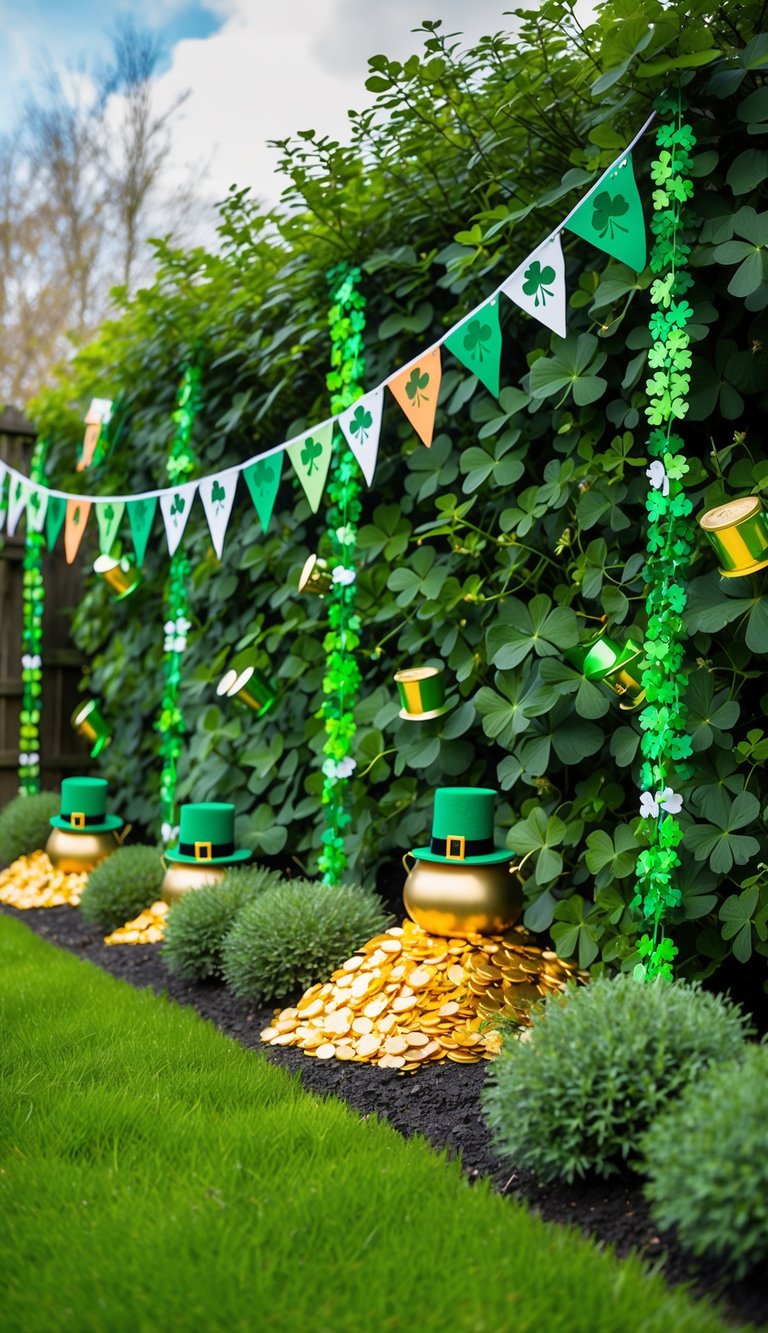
{"x":84,"y":807}
{"x":462,"y":828}
{"x":207,"y":834}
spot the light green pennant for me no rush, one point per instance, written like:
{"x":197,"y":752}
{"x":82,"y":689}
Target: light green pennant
{"x":109,"y":517}
{"x":476,"y":343}
{"x":311,"y":458}
{"x":54,"y":518}
{"x":141,"y":513}
{"x":263,"y":480}
{"x":611,"y":217}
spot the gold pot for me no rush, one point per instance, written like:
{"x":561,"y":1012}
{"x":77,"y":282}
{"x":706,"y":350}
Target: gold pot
{"x":181,"y":878}
{"x":462,"y":899}
{"x":80,"y":852}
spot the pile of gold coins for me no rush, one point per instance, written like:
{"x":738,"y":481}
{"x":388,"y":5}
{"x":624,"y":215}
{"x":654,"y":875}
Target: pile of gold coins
{"x":146,"y":928}
{"x":408,"y":998}
{"x":31,"y":881}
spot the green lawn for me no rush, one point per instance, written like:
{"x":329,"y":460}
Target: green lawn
{"x":155,"y":1176}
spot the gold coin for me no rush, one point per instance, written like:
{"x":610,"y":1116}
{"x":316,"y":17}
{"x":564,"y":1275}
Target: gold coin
{"x":449,"y":1008}
{"x":390,"y":1062}
{"x":421,"y":976}
{"x":463,"y":1057}
{"x":314,"y":1007}
{"x":362,"y":1024}
{"x":417,"y":1039}
{"x":368,"y":1045}
{"x":326,"y":1051}
{"x":375,"y":1007}
{"x":395,"y":1045}
{"x":344,"y":1052}
{"x":402,"y":1003}
{"x":391,"y":946}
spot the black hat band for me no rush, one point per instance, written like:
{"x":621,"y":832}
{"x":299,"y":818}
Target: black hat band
{"x":458,"y":848}
{"x":76,"y":819}
{"x":205,"y":851}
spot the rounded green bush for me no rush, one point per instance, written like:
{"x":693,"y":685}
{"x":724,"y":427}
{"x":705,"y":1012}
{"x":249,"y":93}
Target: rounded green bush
{"x":598,"y":1065}
{"x":25,"y":824}
{"x":707,"y":1164}
{"x":120,"y":887}
{"x":295,"y":934}
{"x":196,"y":925}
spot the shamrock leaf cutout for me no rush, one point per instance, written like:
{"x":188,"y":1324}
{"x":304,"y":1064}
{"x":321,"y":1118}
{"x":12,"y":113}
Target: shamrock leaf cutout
{"x":607,"y":209}
{"x":218,"y":494}
{"x":477,"y":335}
{"x":310,"y":454}
{"x":35,"y":500}
{"x":76,"y":517}
{"x":361,"y":423}
{"x":109,"y":513}
{"x":416,"y":386}
{"x":178,"y":507}
{"x":538,"y":282}
{"x":649,"y":808}
{"x":657,"y":475}
{"x":263,"y":475}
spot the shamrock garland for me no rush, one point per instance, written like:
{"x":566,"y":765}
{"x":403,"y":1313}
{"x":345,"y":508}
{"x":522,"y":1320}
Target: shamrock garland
{"x":665,"y":744}
{"x":341,"y":682}
{"x":31,"y":643}
{"x":170,"y":725}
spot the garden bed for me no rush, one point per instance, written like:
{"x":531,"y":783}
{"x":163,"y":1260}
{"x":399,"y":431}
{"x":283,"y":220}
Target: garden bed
{"x":440,"y":1102}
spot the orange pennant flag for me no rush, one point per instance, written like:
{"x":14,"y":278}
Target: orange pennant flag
{"x":416,"y":389}
{"x":74,"y":527}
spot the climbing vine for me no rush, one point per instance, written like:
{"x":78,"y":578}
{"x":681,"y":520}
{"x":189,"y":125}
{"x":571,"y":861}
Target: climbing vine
{"x":31,"y":643}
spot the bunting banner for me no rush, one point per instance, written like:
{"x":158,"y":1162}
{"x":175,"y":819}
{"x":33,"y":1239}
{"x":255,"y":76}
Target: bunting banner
{"x":175,"y":506}
{"x":109,"y":517}
{"x":263,"y":480}
{"x":75,"y":523}
{"x":538,"y":285}
{"x":218,"y":496}
{"x":361,"y":427}
{"x":311,"y":458}
{"x":609,"y":217}
{"x":416,"y":389}
{"x":3,"y":479}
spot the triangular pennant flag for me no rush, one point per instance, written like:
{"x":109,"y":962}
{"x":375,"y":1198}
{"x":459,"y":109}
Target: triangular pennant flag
{"x":57,"y":508}
{"x":37,"y":508}
{"x":611,"y":216}
{"x":109,"y":516}
{"x":263,"y":479}
{"x":538,"y":285}
{"x":18,"y":494}
{"x":141,"y":513}
{"x":3,"y":496}
{"x":74,"y":526}
{"x":361,"y":424}
{"x":476,"y":343}
{"x":175,"y":507}
{"x":416,"y":389}
{"x":311,"y":458}
{"x":218,"y":495}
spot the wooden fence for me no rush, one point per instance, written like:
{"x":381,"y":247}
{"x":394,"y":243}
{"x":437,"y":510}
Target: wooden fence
{"x":61,"y":751}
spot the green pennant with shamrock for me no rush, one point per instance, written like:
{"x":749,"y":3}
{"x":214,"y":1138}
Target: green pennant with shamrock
{"x":476,"y":343}
{"x":311,"y":458}
{"x":54,"y":519}
{"x":611,"y":217}
{"x":263,"y":481}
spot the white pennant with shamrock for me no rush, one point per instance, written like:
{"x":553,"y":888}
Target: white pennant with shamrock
{"x":538,"y":285}
{"x":175,"y":506}
{"x":18,"y":494}
{"x":37,"y":508}
{"x":361,"y":424}
{"x":218,"y":495}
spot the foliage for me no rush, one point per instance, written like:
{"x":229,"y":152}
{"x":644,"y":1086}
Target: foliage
{"x":600,"y":1064}
{"x":706,"y":1162}
{"x":295,"y":934}
{"x":122,"y":885}
{"x":522,"y":527}
{"x":25,"y":824}
{"x":197,"y":923}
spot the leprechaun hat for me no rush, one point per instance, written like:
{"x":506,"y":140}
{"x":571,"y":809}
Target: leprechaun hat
{"x":462,"y":828}
{"x":84,"y":807}
{"x":207,"y":834}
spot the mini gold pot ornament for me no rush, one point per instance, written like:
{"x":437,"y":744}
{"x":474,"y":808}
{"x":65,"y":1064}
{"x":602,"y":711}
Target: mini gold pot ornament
{"x":462,"y":899}
{"x":422,"y":693}
{"x":243,"y":680}
{"x":620,"y":666}
{"x":122,"y":576}
{"x":78,"y":853}
{"x":88,"y":722}
{"x":738,"y":531}
{"x":180,"y":879}
{"x":315,"y":576}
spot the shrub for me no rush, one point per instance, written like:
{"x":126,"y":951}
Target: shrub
{"x":600,"y":1063}
{"x":122,"y":886}
{"x":197,"y":924}
{"x":707,"y":1165}
{"x":295,"y":934}
{"x":25,"y":824}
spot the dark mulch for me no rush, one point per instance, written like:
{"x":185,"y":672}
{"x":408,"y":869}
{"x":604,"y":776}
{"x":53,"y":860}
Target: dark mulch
{"x":440,"y":1102}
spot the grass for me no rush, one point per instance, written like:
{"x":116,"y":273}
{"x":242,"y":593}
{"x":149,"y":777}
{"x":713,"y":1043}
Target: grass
{"x":156,"y":1176}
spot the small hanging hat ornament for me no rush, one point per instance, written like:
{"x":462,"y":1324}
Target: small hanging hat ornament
{"x":738,"y":531}
{"x":620,"y":666}
{"x":121,"y":575}
{"x":88,"y":721}
{"x":422,"y":693}
{"x":315,"y":577}
{"x":242,"y":680}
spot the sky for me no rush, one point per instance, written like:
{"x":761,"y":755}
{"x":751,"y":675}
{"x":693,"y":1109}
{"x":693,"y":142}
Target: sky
{"x":255,"y":69}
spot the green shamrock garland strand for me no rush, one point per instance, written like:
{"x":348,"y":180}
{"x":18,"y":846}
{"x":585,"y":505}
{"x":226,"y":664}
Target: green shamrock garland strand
{"x":341,"y":682}
{"x":170,"y":725}
{"x":31,"y":643}
{"x":665,"y":743}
